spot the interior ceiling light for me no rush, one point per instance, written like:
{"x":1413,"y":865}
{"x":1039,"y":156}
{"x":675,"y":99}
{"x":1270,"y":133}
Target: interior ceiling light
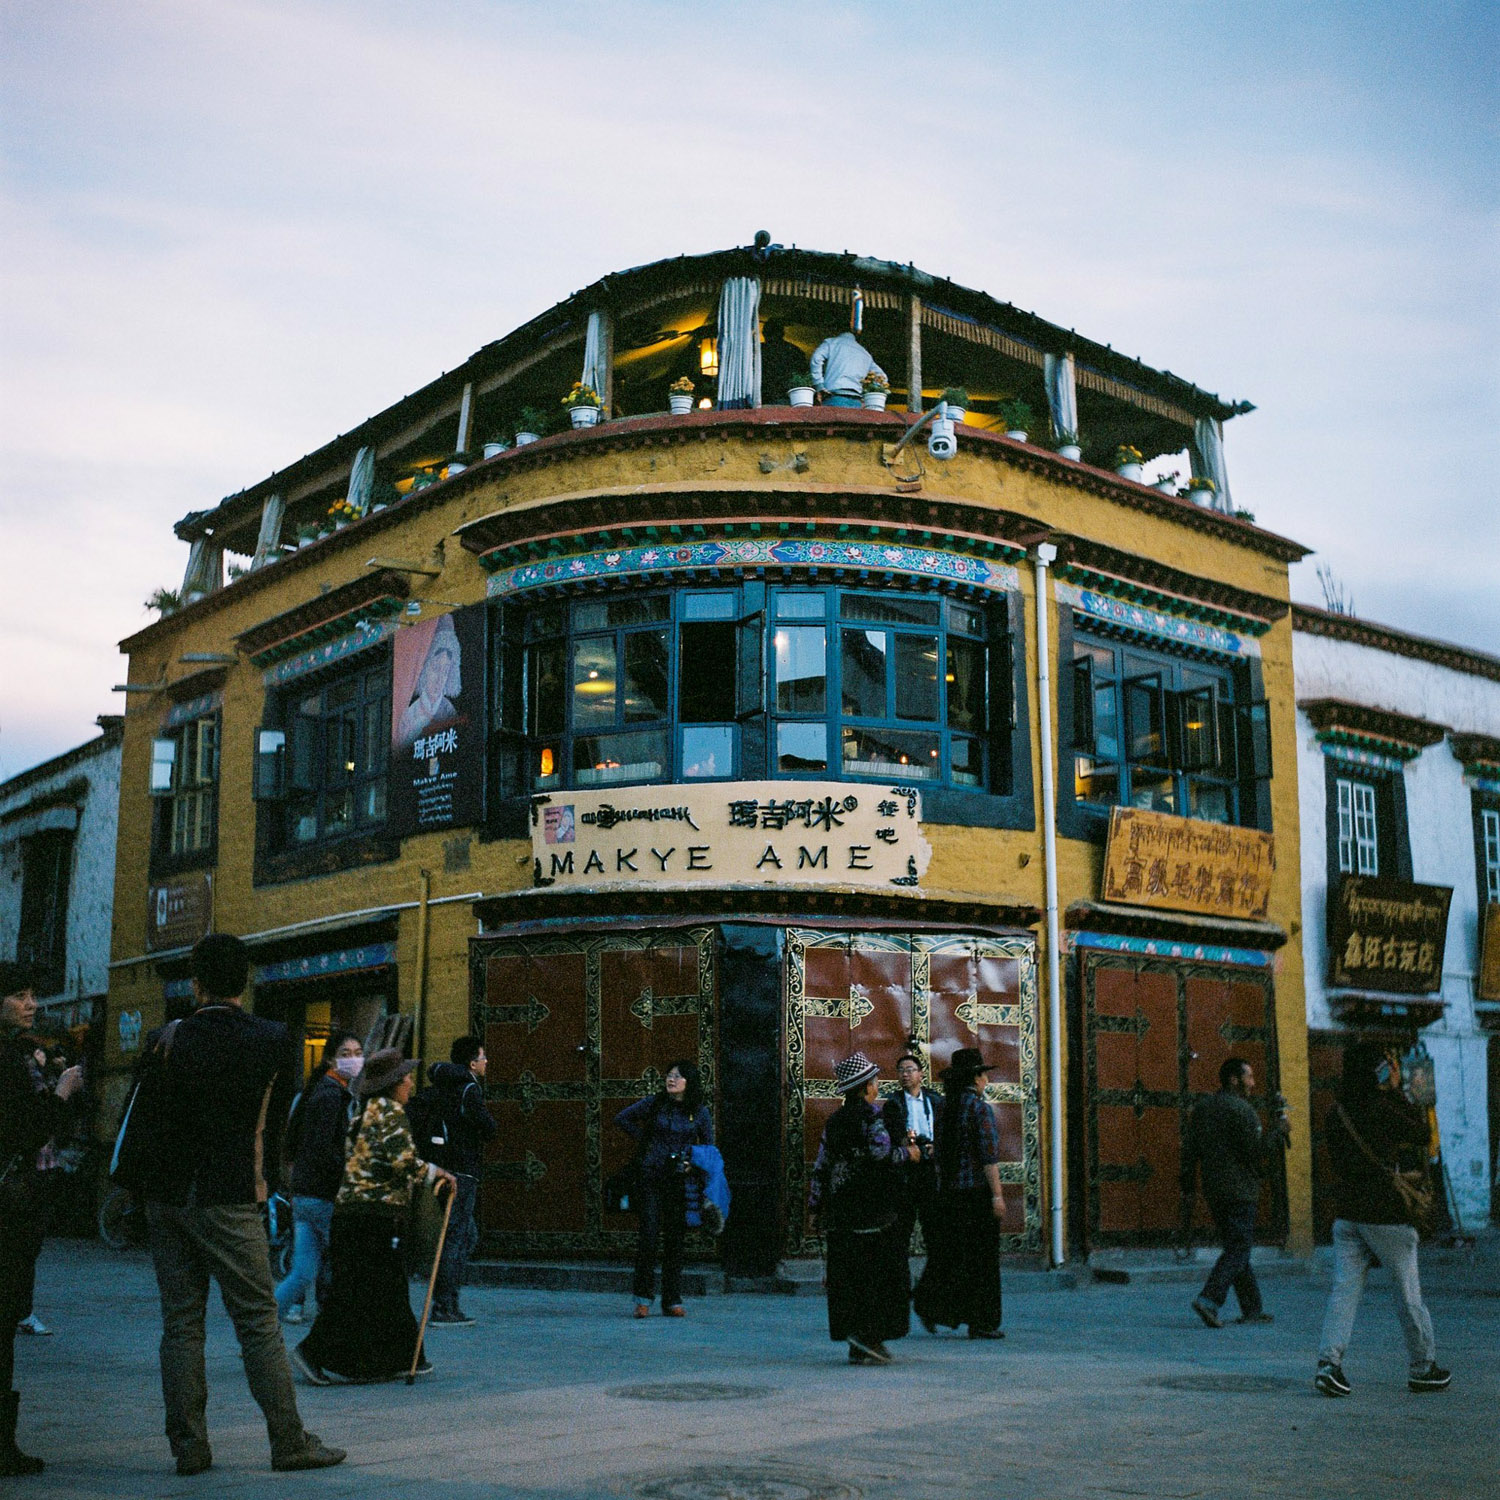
{"x":708,"y":357}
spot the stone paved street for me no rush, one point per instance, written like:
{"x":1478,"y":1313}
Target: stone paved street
{"x":1103,"y":1391}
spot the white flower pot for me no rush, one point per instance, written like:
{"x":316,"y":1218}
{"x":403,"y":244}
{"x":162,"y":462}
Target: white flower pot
{"x":1166,"y":486}
{"x":455,"y":468}
{"x":522,"y":438}
{"x":1072,"y":451}
{"x":1205,"y":498}
{"x":1129,"y":471}
{"x":305,"y":541}
{"x":1016,"y":435}
{"x":800,"y":395}
{"x":874,"y":400}
{"x":583,"y":416}
{"x":680,"y":402}
{"x":492,"y":450}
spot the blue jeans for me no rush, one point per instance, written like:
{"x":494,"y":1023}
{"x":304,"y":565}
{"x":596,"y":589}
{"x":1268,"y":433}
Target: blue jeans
{"x":1236,"y":1225}
{"x":463,"y":1235}
{"x":312,"y":1218}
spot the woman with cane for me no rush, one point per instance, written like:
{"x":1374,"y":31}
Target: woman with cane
{"x":366,"y":1330}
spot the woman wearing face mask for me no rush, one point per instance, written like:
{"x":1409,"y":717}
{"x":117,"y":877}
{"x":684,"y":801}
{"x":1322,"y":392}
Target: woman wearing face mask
{"x":365,"y":1330}
{"x":315,"y":1142}
{"x":665,"y":1129}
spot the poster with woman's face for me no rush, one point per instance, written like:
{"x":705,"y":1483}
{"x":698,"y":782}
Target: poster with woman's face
{"x":437,"y":750}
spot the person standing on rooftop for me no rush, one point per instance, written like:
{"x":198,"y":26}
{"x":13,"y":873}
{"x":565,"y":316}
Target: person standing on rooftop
{"x":839,"y":366}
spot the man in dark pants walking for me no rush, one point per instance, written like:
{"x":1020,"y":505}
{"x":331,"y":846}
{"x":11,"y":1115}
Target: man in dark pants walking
{"x":461,"y":1081}
{"x":1225,"y":1142}
{"x":227,"y":1082}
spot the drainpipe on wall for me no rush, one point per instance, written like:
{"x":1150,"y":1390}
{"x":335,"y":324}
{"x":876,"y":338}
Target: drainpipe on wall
{"x":424,"y":888}
{"x":1046,"y":554}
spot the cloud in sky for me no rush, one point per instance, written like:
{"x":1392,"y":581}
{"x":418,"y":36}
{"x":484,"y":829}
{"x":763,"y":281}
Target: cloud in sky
{"x":231,"y":231}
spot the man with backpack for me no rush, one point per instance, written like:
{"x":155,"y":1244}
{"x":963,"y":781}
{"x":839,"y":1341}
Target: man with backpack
{"x":452,"y":1128}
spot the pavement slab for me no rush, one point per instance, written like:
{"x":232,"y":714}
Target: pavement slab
{"x":1105,"y":1391}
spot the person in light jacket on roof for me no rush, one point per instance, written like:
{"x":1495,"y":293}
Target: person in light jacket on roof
{"x":839,"y":366}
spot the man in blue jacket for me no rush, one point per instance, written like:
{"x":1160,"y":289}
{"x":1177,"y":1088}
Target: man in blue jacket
{"x":470,"y":1128}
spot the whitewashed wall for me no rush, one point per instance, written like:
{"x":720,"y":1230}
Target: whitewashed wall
{"x":1440,"y":822}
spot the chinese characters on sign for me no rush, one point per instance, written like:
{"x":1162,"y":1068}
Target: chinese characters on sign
{"x":1181,"y":864}
{"x":179,"y":912}
{"x":1387,"y":935}
{"x":732,"y":833}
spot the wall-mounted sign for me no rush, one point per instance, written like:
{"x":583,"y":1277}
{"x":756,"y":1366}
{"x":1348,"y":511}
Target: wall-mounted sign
{"x":745,"y":833}
{"x":179,"y":911}
{"x":130,"y":1030}
{"x":1183,"y":864}
{"x":437,"y":714}
{"x":1489,"y":953}
{"x":1387,"y":935}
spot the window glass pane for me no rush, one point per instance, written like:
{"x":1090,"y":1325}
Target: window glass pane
{"x":602,"y":614}
{"x":707,"y":750}
{"x":965,"y":618}
{"x":916,"y":677}
{"x":801,"y":669}
{"x":1490,"y":827}
{"x":1096,"y":780}
{"x":1145,"y":732}
{"x":546,"y":688}
{"x":862,"y":671}
{"x":372,"y":802}
{"x":599,"y":760}
{"x":1153,"y":788}
{"x":338,"y":811}
{"x":801,"y":747}
{"x":705,"y":673}
{"x":894,"y":753}
{"x":376,"y":731}
{"x":548,"y":621}
{"x":965,"y":686}
{"x":303,"y":819}
{"x":889,"y":609}
{"x":1198,"y":729}
{"x":340,"y":693}
{"x":800,"y":607}
{"x":594,"y":682}
{"x":645,"y":676}
{"x":549,"y":762}
{"x":968,"y":762}
{"x":715,"y":606}
{"x":338,"y":750}
{"x":163,"y":762}
{"x":206,"y":751}
{"x":1208,"y":800}
{"x":1106,"y":721}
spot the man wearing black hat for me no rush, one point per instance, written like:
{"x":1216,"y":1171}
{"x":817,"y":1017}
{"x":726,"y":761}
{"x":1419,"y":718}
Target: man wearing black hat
{"x":226,"y":1084}
{"x":30,"y":1115}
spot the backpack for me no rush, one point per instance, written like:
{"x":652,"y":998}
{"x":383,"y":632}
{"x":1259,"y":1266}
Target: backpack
{"x":432,"y":1126}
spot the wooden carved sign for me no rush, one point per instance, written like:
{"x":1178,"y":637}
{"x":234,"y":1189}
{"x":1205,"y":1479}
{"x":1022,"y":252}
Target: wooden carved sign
{"x":1182,"y":864}
{"x":1489,"y":963}
{"x":1387,"y":935}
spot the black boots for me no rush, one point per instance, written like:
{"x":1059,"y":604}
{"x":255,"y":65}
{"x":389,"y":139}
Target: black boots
{"x":12,"y":1460}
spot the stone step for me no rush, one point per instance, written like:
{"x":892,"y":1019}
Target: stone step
{"x":1155,"y":1267}
{"x":804,"y":1278}
{"x":582,"y":1276}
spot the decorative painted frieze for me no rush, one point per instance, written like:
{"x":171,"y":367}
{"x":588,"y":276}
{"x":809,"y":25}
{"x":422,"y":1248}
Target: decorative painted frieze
{"x":1154,"y":625}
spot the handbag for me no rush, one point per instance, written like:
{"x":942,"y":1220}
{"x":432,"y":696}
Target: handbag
{"x":141,"y":1141}
{"x":1413,"y":1187}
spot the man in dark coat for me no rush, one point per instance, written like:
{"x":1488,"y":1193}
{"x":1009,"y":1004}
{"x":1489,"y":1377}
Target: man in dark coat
{"x":227,"y":1081}
{"x":1226,"y":1143}
{"x":1372,"y":1133}
{"x":471,"y":1127}
{"x":914,"y":1116}
{"x":31,"y":1113}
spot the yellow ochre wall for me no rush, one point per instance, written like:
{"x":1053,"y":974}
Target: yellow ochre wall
{"x":989,"y":864}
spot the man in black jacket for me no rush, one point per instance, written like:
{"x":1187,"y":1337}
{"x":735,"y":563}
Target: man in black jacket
{"x":1372,"y":1133}
{"x":1225,"y":1142}
{"x":30,"y":1115}
{"x":227,"y":1079}
{"x":470,"y":1127}
{"x":914,"y":1116}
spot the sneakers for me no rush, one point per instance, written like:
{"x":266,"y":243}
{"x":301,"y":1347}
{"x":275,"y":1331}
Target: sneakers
{"x":643,"y":1309}
{"x":1208,"y":1312}
{"x":1255,"y":1317}
{"x":34,"y":1325}
{"x":676,"y":1310}
{"x":1433,"y":1378}
{"x":875,"y":1352}
{"x":450,"y":1317}
{"x":311,"y":1455}
{"x":1330,"y":1380}
{"x":306,"y":1368}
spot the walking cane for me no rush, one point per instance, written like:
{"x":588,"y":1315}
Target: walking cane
{"x":437,"y":1260}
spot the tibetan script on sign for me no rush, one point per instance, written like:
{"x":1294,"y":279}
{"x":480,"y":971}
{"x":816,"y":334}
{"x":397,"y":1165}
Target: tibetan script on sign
{"x":1489,"y":953}
{"x":740,"y":833}
{"x":1182,"y":864}
{"x":1387,"y":935}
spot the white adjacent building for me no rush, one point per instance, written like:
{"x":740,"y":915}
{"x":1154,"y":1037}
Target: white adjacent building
{"x":1399,"y":771}
{"x":57,"y":872}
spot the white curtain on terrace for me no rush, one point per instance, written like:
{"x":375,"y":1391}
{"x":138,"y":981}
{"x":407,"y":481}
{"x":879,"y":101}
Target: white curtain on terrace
{"x":739,"y":343}
{"x":1207,"y":457}
{"x":268,"y":543}
{"x":1062,"y":395}
{"x":361,"y":479}
{"x":593,"y":355}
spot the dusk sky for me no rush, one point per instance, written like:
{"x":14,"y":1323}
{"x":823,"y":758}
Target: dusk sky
{"x":232,"y":230}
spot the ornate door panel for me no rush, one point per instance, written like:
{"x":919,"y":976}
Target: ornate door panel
{"x":880,"y":992}
{"x":576,"y":1028}
{"x":1154,"y":1035}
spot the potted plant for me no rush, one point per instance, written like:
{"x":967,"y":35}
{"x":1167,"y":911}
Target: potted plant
{"x":799,"y":389}
{"x":1167,"y":483}
{"x":1016,"y":415}
{"x":165,"y":601}
{"x":958,"y":403}
{"x":873,"y":391}
{"x":1128,"y":462}
{"x":1201,"y":490}
{"x":530,"y":424}
{"x":680,"y":395}
{"x":341,"y":513}
{"x":1068,"y":445}
{"x":495,"y":447}
{"x":582,"y":404}
{"x":457,"y":464}
{"x":306,"y":535}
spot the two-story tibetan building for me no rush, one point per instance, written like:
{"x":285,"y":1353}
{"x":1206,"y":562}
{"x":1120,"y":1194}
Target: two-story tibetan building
{"x":750,"y":731}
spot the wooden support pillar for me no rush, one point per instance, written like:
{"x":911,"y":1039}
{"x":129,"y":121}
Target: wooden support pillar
{"x":465,"y":419}
{"x":914,"y":353}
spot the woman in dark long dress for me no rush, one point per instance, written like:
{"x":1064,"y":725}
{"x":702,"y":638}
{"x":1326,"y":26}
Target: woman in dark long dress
{"x":366,"y":1330}
{"x":961,"y":1282}
{"x":665,"y":1128}
{"x":855,"y":1198}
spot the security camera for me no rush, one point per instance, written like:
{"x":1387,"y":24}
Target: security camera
{"x":941,"y":442}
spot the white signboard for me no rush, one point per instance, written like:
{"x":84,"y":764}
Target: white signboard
{"x":737,"y":833}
